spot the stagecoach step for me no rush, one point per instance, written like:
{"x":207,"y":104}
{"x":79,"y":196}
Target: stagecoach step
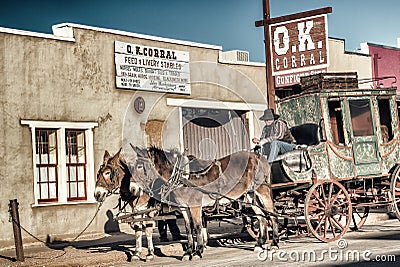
{"x":130,"y":218}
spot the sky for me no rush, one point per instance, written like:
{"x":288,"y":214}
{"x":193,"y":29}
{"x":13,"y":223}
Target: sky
{"x":227,"y":23}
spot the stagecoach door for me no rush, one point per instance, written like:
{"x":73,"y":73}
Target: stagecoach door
{"x":364,"y":139}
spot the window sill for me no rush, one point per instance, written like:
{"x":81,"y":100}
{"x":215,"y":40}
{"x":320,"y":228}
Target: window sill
{"x":63,"y":203}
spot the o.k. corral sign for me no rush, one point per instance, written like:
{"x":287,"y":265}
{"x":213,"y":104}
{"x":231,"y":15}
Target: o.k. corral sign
{"x":299,"y":48}
{"x":149,"y":68}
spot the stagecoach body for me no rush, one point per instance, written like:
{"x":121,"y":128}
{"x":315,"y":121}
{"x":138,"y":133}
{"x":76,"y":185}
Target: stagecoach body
{"x":359,"y":136}
{"x":354,"y":160}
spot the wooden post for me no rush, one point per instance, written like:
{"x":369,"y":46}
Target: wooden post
{"x":268,"y":63}
{"x":13,"y":208}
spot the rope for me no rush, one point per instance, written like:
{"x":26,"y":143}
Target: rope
{"x":45,"y":242}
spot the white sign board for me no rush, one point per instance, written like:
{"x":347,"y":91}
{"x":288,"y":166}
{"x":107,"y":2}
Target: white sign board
{"x":149,"y":68}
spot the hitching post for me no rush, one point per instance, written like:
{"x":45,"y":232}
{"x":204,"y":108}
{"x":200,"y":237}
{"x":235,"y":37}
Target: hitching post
{"x":17,"y":230}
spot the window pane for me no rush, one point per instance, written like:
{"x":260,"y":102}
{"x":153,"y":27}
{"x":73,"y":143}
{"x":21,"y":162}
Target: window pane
{"x":53,"y":190}
{"x":43,"y":174}
{"x":81,"y":189}
{"x":44,"y":191}
{"x":72,"y":188}
{"x":361,"y":119}
{"x":336,"y":121}
{"x":72,"y":173}
{"x":385,"y":120}
{"x":52,"y":174}
{"x":81,"y":173}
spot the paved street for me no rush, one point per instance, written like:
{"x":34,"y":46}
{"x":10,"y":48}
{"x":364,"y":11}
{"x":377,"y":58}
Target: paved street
{"x":377,"y":244}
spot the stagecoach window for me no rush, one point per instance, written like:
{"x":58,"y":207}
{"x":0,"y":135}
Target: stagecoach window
{"x":385,"y":119}
{"x":361,"y":119}
{"x":63,"y":162}
{"x":336,"y":120}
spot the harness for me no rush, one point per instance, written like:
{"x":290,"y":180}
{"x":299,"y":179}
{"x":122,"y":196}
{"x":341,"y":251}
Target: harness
{"x":114,"y":177}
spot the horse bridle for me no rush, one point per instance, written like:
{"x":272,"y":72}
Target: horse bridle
{"x":114,"y":176}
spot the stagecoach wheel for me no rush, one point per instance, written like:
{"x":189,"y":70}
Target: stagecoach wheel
{"x":360,"y":215}
{"x":395,"y":191}
{"x":328,"y":210}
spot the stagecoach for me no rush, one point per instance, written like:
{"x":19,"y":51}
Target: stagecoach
{"x":347,"y":163}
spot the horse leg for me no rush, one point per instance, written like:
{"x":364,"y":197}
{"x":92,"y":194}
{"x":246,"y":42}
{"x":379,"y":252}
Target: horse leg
{"x":263,"y":231}
{"x":196,"y":214}
{"x":150,"y":245}
{"x":275,"y":233}
{"x":187,"y":255}
{"x":204,"y":232}
{"x":137,"y":227}
{"x":264,"y":195}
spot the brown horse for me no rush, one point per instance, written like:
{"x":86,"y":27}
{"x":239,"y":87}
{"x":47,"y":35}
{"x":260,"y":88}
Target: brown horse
{"x":197,"y":184}
{"x":114,"y":175}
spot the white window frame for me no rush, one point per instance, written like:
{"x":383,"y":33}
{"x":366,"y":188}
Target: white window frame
{"x":62,"y":166}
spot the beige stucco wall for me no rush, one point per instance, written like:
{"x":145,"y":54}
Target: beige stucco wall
{"x":344,"y":61}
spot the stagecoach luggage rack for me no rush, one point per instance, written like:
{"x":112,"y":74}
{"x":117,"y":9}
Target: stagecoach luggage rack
{"x":339,"y":80}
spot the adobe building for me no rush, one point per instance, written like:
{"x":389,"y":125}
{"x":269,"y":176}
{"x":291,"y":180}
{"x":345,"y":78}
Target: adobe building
{"x":67,"y":97}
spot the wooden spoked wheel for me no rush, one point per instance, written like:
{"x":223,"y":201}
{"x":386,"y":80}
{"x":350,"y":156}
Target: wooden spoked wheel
{"x":395,"y":191}
{"x":360,"y":215}
{"x":328,"y":210}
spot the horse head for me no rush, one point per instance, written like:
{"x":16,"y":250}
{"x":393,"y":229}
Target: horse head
{"x":112,"y":176}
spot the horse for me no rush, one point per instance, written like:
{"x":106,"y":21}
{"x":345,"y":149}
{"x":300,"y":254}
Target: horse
{"x":114,"y":175}
{"x":203,"y":184}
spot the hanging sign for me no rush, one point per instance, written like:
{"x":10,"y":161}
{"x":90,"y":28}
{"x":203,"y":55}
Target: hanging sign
{"x":299,"y":47}
{"x":149,"y":68}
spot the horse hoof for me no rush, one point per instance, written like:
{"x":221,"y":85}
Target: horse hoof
{"x":135,"y":258}
{"x":186,"y":258}
{"x":274,"y":247}
{"x":149,"y":257}
{"x":258,"y":249}
{"x":196,"y":257}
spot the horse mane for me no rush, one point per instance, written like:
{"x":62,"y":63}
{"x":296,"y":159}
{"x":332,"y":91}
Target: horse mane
{"x":158,"y":153}
{"x":163,"y":156}
{"x":125,"y":193}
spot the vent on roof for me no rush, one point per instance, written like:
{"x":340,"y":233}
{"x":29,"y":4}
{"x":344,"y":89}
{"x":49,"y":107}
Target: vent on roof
{"x":235,"y":56}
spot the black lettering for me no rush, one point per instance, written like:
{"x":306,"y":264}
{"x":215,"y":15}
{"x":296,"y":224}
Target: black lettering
{"x":129,"y":49}
{"x":138,"y":50}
